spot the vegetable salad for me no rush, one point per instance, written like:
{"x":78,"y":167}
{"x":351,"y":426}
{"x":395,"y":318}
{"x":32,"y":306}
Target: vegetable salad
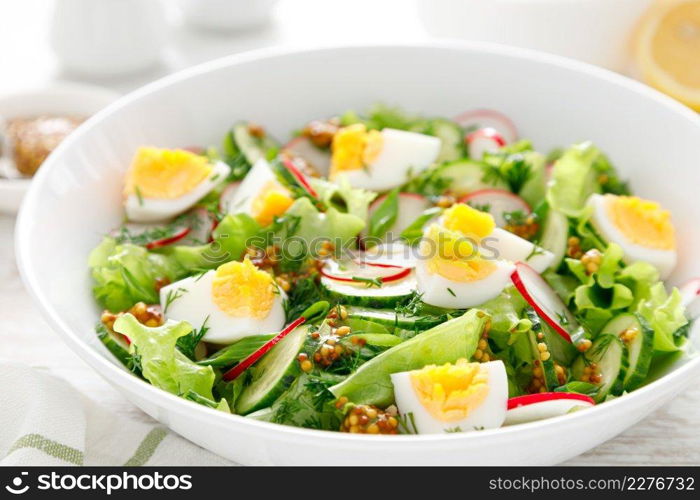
{"x":388,"y":273}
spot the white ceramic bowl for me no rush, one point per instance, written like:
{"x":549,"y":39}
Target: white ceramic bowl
{"x":56,"y":99}
{"x":594,"y":31}
{"x":76,"y":198}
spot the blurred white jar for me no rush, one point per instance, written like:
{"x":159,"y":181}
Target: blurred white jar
{"x":595,"y":31}
{"x":226,"y":15}
{"x":108,"y":37}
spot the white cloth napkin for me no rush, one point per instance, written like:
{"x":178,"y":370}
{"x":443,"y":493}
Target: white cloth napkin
{"x":45,"y":421}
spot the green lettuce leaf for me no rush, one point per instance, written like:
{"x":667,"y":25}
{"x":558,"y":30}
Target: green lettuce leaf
{"x":161,"y":363}
{"x":574,"y":179}
{"x":665,"y":314}
{"x":332,"y":225}
{"x":125,"y":274}
{"x":445,"y":343}
{"x":231,"y":237}
{"x":343,"y":196}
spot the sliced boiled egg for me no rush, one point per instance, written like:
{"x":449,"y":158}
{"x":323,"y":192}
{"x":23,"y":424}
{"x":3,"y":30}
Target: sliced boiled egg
{"x":459,"y":397}
{"x":495,"y":243}
{"x":234,"y":301}
{"x":506,"y":245}
{"x":451,"y":272}
{"x":162,"y":183}
{"x":380,"y":160}
{"x":260,"y":195}
{"x":642,"y":228}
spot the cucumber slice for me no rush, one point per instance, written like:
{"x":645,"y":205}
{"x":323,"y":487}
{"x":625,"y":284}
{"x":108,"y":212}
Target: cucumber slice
{"x":549,"y":370}
{"x":638,"y":350}
{"x":607,"y":353}
{"x":388,"y":295}
{"x":452,"y":137}
{"x":465,"y":176}
{"x":114,"y":344}
{"x":273,"y":374}
{"x":253,"y":148}
{"x":391,"y":319}
{"x":555,"y":233}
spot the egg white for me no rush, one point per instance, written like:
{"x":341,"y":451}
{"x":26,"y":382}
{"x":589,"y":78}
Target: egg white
{"x":663,"y":260}
{"x":402,"y":152}
{"x":142,"y":209}
{"x":257,"y":178}
{"x":443,"y":292}
{"x":195,"y":305}
{"x":490,"y":414}
{"x":505,"y":245}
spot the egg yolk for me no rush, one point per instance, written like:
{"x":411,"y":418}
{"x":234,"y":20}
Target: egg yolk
{"x":354,"y":147}
{"x":468,"y":221}
{"x":643,"y":222}
{"x":165,"y":173}
{"x":452,"y":391}
{"x":272,"y":201}
{"x":242,"y":290}
{"x":451,"y":255}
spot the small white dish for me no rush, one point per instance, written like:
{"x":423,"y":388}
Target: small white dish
{"x":76,"y":198}
{"x":56,"y":99}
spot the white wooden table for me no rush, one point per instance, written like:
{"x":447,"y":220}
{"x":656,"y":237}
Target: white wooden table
{"x":669,"y":436}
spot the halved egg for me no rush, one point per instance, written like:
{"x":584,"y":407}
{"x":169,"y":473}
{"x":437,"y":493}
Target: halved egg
{"x":459,"y":397}
{"x":642,"y":228}
{"x":162,"y":183}
{"x":452,"y":273}
{"x":495,"y":243}
{"x":261,"y":195}
{"x":380,"y":160}
{"x":234,"y":301}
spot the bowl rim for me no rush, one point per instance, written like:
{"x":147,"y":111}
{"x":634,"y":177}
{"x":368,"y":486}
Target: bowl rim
{"x":678,"y":378}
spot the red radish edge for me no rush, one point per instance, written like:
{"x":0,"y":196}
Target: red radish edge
{"x":486,"y":133}
{"x":690,"y":285}
{"x":541,"y":397}
{"x":517,"y":281}
{"x":405,"y":271}
{"x":496,"y":192}
{"x":301,"y":178}
{"x":493,"y":114}
{"x":169,"y":240}
{"x":250,"y":360}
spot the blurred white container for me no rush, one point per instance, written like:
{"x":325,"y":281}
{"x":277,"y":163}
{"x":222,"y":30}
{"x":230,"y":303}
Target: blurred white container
{"x":226,"y":15}
{"x":108,"y":37}
{"x":595,"y":31}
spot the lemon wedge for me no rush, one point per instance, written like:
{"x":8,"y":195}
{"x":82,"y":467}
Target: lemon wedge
{"x":668,"y":49}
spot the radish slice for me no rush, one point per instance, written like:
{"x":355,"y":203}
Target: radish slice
{"x":317,"y":158}
{"x":299,"y":176}
{"x":498,"y":201}
{"x":250,"y":360}
{"x":139,"y":234}
{"x":359,"y":272}
{"x":690,"y":293}
{"x":546,"y":303}
{"x":522,"y":409}
{"x":202,"y":223}
{"x":483,"y":118}
{"x":411,"y":206}
{"x":482,"y":141}
{"x":227,"y":197}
